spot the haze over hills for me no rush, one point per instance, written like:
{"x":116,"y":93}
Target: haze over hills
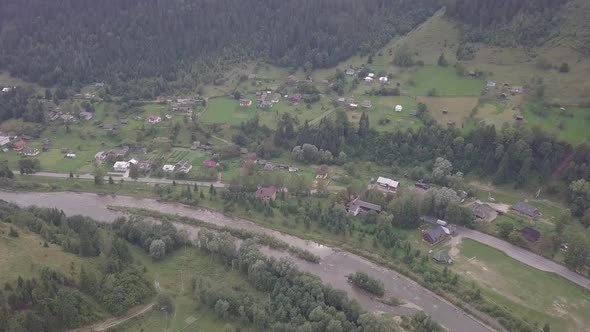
{"x":404,"y":151}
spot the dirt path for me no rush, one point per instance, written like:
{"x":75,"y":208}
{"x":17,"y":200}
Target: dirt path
{"x":112,"y":322}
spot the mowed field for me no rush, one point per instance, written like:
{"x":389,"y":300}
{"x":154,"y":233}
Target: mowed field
{"x":540,"y":296}
{"x":383,"y":108}
{"x":225,"y":110}
{"x":459,"y":108}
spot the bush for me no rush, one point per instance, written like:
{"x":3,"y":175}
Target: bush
{"x":564,"y":68}
{"x":364,"y":281}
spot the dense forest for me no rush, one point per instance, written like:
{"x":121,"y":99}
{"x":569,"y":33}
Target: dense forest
{"x":485,"y":13}
{"x":69,"y":42}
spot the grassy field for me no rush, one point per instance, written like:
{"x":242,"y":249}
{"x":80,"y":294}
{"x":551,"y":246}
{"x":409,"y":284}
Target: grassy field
{"x":174,"y":275}
{"x":459,"y":108}
{"x":25,"y":255}
{"x":573,"y":129}
{"x":531,"y":293}
{"x":224,"y":110}
{"x":383,"y":108}
{"x":444,"y":80}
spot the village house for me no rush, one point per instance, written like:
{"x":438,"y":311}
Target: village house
{"x":153,"y":119}
{"x":295,"y":98}
{"x":435,"y":234}
{"x":442,"y":257}
{"x":398,"y":108}
{"x":291,"y":79}
{"x":145,"y":165}
{"x":341,"y":100}
{"x":530,"y":234}
{"x":71,"y":155}
{"x":321,"y":173}
{"x":482,"y":211}
{"x":357,"y":206}
{"x":383,"y":79}
{"x":168,"y":168}
{"x":198,"y":146}
{"x":268,"y":167}
{"x":120,"y":152}
{"x":100,"y":156}
{"x":388,"y":184}
{"x":516,"y":89}
{"x":490,"y":84}
{"x":267,"y":193}
{"x":209,"y":163}
{"x":183,"y":166}
{"x":30,"y":152}
{"x":245,"y":102}
{"x":368,"y":79}
{"x":250,"y":159}
{"x":108,"y":127}
{"x":85,"y":115}
{"x":4,"y":140}
{"x":276,"y":97}
{"x":353,"y":105}
{"x":349,"y":72}
{"x":366,"y":104}
{"x":124,"y":121}
{"x":293,"y":169}
{"x":121,"y":166}
{"x":19,"y":145}
{"x":526,"y":209}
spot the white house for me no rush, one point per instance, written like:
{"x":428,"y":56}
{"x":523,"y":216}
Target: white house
{"x":133,"y":161}
{"x":353,"y":105}
{"x":490,"y":84}
{"x":383,"y":79}
{"x":6,"y":89}
{"x":398,"y":108}
{"x":4,"y":140}
{"x":121,"y":166}
{"x":368,"y":79}
{"x":387,"y":183}
{"x":71,"y":155}
{"x":371,"y":75}
{"x":168,"y":168}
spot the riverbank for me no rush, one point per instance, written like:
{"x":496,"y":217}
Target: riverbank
{"x":334,"y":264}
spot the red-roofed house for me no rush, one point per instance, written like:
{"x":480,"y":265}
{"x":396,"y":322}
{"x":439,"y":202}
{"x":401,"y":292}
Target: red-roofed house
{"x":209,"y":163}
{"x":251,"y":158}
{"x":267,"y":193}
{"x":19,"y":145}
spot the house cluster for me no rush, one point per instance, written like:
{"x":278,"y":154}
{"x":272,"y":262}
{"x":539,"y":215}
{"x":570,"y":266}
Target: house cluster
{"x":20,"y":145}
{"x":183,"y":166}
{"x":116,"y":153}
{"x":506,"y":88}
{"x":371,"y":77}
{"x":266,"y":99}
{"x":269,"y":167}
{"x":183,"y":105}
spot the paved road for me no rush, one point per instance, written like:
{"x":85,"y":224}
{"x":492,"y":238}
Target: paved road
{"x":143,"y":180}
{"x":525,"y":256}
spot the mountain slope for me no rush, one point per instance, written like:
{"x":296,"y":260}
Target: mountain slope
{"x":69,"y":41}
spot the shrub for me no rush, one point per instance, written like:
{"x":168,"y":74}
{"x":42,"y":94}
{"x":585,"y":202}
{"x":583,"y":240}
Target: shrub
{"x":364,"y":281}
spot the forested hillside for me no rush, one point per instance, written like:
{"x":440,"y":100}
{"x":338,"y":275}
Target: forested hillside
{"x":491,"y":12}
{"x":71,"y":41}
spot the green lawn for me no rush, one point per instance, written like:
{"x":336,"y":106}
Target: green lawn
{"x":224,"y":110}
{"x":574,"y":129}
{"x":444,"y":80}
{"x":537,"y":295}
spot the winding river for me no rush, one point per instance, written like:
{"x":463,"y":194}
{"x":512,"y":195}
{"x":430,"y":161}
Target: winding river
{"x":334,"y":265}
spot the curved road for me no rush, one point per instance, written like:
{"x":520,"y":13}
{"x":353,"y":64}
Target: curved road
{"x":333,"y":268}
{"x":525,"y":256}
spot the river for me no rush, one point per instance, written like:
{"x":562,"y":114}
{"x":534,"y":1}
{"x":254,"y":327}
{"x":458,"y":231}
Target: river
{"x":333,"y":267}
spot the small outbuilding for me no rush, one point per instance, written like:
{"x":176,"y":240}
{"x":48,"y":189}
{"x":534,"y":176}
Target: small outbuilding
{"x":399,"y":108}
{"x":442,"y":257}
